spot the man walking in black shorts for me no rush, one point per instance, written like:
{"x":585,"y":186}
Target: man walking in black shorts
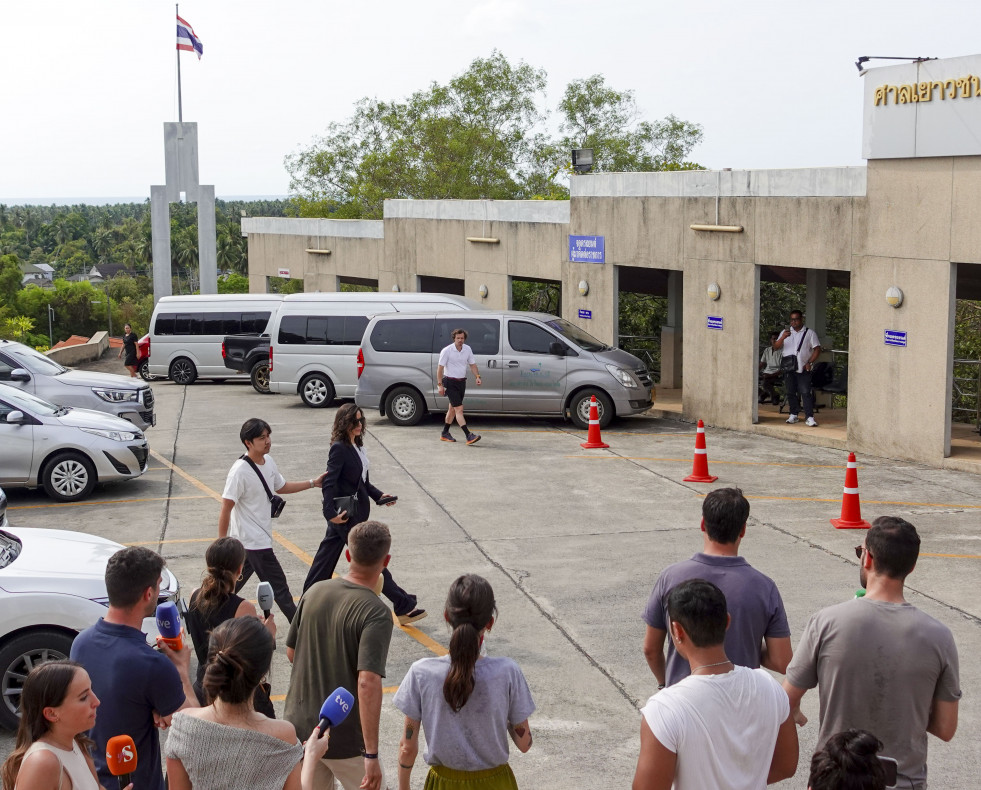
{"x":451,"y":379}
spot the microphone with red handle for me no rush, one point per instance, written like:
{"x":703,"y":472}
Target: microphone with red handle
{"x":121,"y":758}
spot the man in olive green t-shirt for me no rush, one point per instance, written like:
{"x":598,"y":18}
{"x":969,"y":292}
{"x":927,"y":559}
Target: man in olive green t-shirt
{"x":340,"y":637}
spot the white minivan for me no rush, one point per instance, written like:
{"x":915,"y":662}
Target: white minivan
{"x":314,"y":338}
{"x":186,"y":332}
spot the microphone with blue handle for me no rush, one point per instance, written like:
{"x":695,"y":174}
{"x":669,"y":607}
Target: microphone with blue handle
{"x":335,"y":709}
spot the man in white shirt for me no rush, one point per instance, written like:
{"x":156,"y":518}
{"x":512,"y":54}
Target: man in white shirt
{"x":724,"y":726}
{"x":246,"y":510}
{"x":802,"y":343}
{"x":451,"y":379}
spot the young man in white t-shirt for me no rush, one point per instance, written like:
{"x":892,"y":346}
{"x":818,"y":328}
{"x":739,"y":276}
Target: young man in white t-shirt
{"x":724,"y":726}
{"x":246,"y":514}
{"x":451,"y":380}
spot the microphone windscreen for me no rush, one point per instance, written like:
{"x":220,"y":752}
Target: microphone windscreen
{"x":264,"y":594}
{"x":121,"y":755}
{"x":337,"y":706}
{"x":168,"y":620}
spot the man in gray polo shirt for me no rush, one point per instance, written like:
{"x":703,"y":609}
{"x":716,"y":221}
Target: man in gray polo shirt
{"x":759,"y":634}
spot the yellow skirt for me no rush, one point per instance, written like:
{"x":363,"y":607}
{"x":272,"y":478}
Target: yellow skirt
{"x":442,"y":778}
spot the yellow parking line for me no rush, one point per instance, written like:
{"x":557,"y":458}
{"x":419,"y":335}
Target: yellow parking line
{"x":175,"y":540}
{"x":190,"y":478}
{"x":714,"y":461}
{"x":293,"y":548}
{"x":953,"y":556}
{"x":868,"y":502}
{"x":103,"y":502}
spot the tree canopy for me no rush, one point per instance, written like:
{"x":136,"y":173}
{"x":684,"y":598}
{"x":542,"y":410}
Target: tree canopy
{"x":484,"y":135}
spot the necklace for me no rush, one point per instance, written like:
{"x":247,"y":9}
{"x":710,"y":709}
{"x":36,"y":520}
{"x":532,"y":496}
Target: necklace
{"x":706,"y":666}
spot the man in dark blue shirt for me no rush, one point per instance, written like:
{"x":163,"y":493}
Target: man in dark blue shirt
{"x":140,"y":688}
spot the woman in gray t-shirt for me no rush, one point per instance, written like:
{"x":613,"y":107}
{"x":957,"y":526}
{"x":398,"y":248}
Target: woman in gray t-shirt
{"x":466,"y":702}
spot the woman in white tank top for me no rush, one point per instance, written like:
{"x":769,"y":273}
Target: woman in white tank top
{"x":52,"y":752}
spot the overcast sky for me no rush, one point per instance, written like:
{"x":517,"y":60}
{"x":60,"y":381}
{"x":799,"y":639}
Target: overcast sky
{"x":87,"y":86}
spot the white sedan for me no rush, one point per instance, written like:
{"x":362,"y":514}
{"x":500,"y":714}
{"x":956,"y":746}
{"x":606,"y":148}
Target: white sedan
{"x":52,"y":585}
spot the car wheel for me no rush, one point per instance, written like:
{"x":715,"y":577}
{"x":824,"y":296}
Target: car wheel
{"x":68,"y":477}
{"x":260,"y":377}
{"x":182,"y":371}
{"x":404,"y":406}
{"x":579,"y":408}
{"x":316,"y":391}
{"x":144,"y":370}
{"x":18,"y":657}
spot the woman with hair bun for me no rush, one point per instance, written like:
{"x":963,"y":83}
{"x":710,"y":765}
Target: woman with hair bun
{"x":228,"y":743}
{"x":214,"y":602}
{"x":57,"y":709}
{"x":848,"y":761}
{"x":466,"y":702}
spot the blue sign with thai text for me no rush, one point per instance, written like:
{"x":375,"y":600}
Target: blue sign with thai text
{"x":585,"y":313}
{"x":714,"y":321}
{"x":895,"y":338}
{"x":587,"y":249}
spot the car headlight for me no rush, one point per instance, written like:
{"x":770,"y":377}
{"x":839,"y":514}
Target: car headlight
{"x":116,"y":396}
{"x":625,"y":377}
{"x":116,"y":436}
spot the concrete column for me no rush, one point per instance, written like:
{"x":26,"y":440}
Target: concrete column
{"x":672,"y":335}
{"x":160,"y":229}
{"x":601,"y":300}
{"x":816,"y":304}
{"x":207,"y":240}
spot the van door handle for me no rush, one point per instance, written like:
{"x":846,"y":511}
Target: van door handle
{"x":492,"y":363}
{"x":513,"y":364}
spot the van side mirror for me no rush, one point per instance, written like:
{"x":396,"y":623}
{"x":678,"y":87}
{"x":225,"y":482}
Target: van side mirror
{"x":557,"y":349}
{"x":19,"y":374}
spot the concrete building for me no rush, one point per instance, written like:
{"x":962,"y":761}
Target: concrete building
{"x":905,"y":221}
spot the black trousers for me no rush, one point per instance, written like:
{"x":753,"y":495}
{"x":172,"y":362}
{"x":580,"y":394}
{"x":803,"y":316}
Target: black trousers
{"x":799,"y":388}
{"x":328,"y":554}
{"x":265,"y":565}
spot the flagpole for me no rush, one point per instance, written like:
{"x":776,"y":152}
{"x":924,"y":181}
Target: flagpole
{"x":180,"y":108}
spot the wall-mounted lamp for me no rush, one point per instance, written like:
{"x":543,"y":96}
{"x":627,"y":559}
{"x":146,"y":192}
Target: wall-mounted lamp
{"x":894,"y":297}
{"x":582,"y":160}
{"x":396,"y":288}
{"x":583,"y":288}
{"x":714,"y":292}
{"x":862,"y":70}
{"x":483,"y":291}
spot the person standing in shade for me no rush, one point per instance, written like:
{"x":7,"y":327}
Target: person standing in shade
{"x":803,"y":344}
{"x":245,"y":509}
{"x":129,"y":347}
{"x":770,"y":371}
{"x":451,"y":380}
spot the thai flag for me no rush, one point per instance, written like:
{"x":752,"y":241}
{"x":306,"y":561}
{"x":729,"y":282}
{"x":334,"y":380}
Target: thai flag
{"x":187,"y":40}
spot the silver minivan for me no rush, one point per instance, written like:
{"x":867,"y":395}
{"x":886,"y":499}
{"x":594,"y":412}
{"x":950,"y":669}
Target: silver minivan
{"x":33,"y":372}
{"x":530,"y":363}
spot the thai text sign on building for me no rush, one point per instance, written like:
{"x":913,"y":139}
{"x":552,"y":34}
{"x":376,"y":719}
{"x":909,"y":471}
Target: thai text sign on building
{"x":587,"y":249}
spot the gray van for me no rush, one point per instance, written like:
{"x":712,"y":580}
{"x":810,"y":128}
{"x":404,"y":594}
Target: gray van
{"x":530,"y":363}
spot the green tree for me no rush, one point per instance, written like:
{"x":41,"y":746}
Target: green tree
{"x":233,"y":283}
{"x":10,"y":278}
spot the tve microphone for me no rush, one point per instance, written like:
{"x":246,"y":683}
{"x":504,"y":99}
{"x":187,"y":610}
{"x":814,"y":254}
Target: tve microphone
{"x":169,"y":625}
{"x":335,"y":709}
{"x":265,"y":595}
{"x":121,"y":758}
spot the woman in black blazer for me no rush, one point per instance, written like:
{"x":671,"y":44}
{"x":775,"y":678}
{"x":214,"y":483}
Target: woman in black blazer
{"x":347,"y":473}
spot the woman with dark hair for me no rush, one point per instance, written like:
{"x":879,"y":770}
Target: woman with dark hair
{"x":228,"y":743}
{"x":57,"y":709}
{"x":347,"y":475}
{"x":214,"y":602}
{"x":848,"y":761}
{"x":466,"y":702}
{"x":129,"y":346}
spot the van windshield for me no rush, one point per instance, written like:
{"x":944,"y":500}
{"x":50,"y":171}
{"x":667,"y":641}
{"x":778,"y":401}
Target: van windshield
{"x":583,"y":339}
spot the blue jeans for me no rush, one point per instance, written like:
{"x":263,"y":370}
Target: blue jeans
{"x":799,"y":388}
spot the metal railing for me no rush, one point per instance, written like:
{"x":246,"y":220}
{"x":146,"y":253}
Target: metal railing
{"x":966,"y":392}
{"x":647,"y":348}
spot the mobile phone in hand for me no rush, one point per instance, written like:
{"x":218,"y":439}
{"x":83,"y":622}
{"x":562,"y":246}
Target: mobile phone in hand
{"x":387,"y":499}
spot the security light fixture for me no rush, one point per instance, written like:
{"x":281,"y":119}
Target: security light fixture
{"x":583,"y":288}
{"x":714,"y":292}
{"x":582,"y":160}
{"x":894,"y":296}
{"x":860,"y":63}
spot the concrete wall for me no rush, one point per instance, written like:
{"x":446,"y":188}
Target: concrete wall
{"x":85,"y":352}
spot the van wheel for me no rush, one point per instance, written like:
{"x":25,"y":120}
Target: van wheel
{"x":404,"y":406}
{"x":182,"y":371}
{"x":260,"y":377}
{"x":144,"y":370}
{"x":316,"y":391}
{"x":579,"y":408}
{"x":68,"y":477}
{"x":17,"y":658}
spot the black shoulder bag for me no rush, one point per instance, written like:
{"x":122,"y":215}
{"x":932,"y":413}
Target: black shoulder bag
{"x":276,"y":502}
{"x":789,"y":363}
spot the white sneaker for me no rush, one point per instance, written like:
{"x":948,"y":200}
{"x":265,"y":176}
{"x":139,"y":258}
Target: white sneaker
{"x":811,"y":422}
{"x":792,"y":419}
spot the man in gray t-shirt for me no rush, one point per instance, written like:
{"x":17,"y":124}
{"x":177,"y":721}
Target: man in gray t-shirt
{"x":759,"y":634}
{"x":880,"y":664}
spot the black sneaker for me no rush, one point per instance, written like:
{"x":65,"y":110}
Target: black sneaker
{"x":445,"y":436}
{"x":473,"y":438}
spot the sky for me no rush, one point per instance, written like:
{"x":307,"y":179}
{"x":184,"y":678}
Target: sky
{"x":88,"y":84}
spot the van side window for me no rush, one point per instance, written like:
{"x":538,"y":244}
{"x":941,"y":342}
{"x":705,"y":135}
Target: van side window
{"x":483,"y":334}
{"x":528,"y":338}
{"x":354,"y":326}
{"x":254,"y":323}
{"x":403,"y":335}
{"x":293,"y":330}
{"x":164,"y":325}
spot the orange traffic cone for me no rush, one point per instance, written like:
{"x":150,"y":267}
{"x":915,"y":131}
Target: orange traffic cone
{"x":593,"y":438}
{"x":851,"y":508}
{"x":700,"y":465}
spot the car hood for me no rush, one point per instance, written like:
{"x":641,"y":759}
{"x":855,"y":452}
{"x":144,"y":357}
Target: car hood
{"x":88,"y":378}
{"x":87,"y":418}
{"x":58,"y":561}
{"x":617,"y":356}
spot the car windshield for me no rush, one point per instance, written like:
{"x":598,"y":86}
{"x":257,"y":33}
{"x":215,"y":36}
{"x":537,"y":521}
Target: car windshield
{"x":9,"y":549}
{"x":584,"y":340}
{"x":26,"y":402}
{"x":37,"y":363}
